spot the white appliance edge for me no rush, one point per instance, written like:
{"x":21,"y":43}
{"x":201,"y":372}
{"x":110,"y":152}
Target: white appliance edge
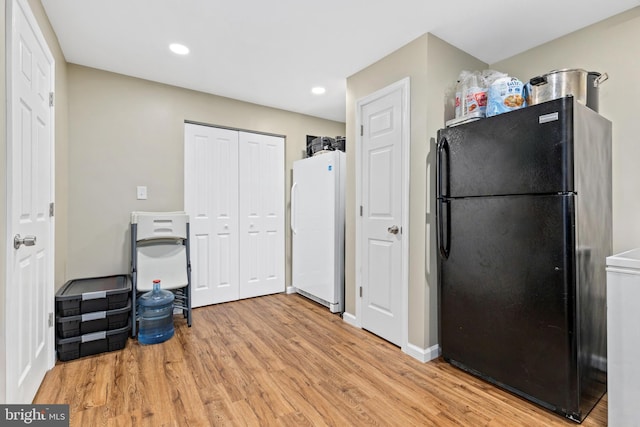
{"x":317,"y":225}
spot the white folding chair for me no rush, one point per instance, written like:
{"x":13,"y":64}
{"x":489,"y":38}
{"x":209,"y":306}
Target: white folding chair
{"x":160,"y":250}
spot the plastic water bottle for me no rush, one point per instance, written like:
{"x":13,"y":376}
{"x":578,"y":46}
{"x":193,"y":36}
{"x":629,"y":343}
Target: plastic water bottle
{"x":156,"y":315}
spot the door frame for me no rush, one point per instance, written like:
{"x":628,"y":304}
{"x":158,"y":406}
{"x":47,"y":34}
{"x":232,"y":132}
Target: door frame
{"x":11,"y":6}
{"x":404,"y":86}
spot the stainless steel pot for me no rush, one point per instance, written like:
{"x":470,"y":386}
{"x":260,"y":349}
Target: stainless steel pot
{"x":583,"y":85}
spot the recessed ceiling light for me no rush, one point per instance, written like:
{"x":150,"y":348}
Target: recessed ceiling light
{"x":180,"y":49}
{"x":318,"y":90}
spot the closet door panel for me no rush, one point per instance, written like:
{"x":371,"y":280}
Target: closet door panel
{"x":211,"y":200}
{"x":273,"y":219}
{"x":262,"y":251}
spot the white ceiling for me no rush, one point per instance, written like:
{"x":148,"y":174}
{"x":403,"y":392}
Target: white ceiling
{"x":271,"y":52}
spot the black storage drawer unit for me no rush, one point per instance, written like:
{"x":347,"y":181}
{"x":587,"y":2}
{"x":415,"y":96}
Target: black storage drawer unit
{"x":82,"y":296}
{"x":93,"y":343}
{"x":72,"y":326}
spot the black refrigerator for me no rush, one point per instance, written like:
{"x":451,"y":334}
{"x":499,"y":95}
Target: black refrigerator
{"x":523,"y":229}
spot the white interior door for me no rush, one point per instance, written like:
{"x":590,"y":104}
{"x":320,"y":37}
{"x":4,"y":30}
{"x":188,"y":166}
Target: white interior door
{"x":211,"y":200}
{"x":30,"y":284}
{"x":382,"y":222}
{"x":262,"y":231}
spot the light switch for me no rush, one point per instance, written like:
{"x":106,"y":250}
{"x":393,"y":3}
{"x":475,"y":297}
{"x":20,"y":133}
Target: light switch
{"x":141,"y":191}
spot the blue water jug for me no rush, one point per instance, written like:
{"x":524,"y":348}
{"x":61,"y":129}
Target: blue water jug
{"x":156,"y":315}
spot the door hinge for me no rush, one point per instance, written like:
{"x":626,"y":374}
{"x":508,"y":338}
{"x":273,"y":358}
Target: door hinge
{"x":361,"y":130}
{"x":51,"y":208}
{"x":360,"y":291}
{"x":50,"y":99}
{"x":51,"y":320}
{"x":360,"y":210}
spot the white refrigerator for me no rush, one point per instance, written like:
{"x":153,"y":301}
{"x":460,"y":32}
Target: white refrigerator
{"x":623,"y":338}
{"x":317,"y":228}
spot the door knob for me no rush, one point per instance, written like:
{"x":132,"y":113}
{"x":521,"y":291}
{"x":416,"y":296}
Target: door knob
{"x":393,"y":229}
{"x":27,"y":241}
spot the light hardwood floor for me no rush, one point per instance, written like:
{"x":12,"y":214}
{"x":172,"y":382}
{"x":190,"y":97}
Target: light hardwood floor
{"x":280,"y":360}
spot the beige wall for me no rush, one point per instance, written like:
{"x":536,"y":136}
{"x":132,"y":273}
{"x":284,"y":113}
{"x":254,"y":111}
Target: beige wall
{"x":431,"y":65}
{"x":445,"y":63}
{"x":609,"y":46}
{"x":114,"y":133}
{"x":409,"y":61}
{"x":127,"y":132}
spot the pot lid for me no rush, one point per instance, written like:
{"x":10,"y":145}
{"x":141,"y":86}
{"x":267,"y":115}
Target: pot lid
{"x":567,"y":70}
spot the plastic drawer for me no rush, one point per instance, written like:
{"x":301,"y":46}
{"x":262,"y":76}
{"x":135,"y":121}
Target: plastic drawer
{"x":73,"y":326}
{"x":82,"y":296}
{"x":94,"y":343}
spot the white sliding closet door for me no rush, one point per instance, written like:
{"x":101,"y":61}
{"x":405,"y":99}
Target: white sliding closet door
{"x":261,"y":215}
{"x":234,"y":195}
{"x":211,"y":200}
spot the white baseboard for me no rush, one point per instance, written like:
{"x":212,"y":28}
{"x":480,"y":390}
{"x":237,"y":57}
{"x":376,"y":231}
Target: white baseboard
{"x":350,"y":319}
{"x":423,"y":354}
{"x":291,"y":290}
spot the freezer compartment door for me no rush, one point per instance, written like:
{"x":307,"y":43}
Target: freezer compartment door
{"x":507,"y":294}
{"x":528,"y":151}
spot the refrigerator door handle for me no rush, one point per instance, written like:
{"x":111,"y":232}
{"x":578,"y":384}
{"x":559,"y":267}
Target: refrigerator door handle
{"x":442,"y":148}
{"x":293,"y":208}
{"x":442,"y":206}
{"x":443,"y":241}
